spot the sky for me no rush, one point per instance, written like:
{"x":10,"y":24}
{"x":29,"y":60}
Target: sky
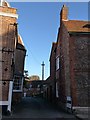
{"x":38,"y":24}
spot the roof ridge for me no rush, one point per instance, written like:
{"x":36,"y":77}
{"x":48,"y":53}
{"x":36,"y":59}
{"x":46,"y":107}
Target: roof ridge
{"x":77,"y":25}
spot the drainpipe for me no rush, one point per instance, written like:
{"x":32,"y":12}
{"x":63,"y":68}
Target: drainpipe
{"x":10,"y":96}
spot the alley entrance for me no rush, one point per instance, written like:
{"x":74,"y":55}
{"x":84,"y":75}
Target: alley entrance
{"x":34,"y":107}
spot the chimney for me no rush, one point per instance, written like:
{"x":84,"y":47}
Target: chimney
{"x":64,"y":13}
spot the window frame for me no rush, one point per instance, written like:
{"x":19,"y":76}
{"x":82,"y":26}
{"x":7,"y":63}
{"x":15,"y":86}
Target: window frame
{"x":21,"y":84}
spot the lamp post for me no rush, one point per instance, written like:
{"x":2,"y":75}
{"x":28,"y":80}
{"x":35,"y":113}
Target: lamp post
{"x":42,"y":77}
{"x":43,"y":70}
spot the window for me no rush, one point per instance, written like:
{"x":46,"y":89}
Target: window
{"x":57,"y":63}
{"x":18,"y":83}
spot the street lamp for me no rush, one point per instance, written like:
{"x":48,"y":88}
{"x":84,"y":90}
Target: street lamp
{"x":43,"y":70}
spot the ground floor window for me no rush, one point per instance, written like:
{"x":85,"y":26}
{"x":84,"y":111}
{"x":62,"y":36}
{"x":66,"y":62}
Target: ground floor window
{"x":18,"y":83}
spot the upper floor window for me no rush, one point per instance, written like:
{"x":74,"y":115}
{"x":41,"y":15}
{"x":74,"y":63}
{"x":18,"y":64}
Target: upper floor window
{"x":57,"y":63}
{"x":18,"y":83}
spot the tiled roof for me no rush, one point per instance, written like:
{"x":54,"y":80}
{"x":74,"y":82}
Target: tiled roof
{"x":77,"y":26}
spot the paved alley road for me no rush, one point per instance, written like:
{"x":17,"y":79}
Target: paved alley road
{"x":37,"y":108}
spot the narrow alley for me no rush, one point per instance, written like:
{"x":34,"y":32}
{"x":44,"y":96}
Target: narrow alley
{"x":44,"y":61}
{"x":34,"y":107}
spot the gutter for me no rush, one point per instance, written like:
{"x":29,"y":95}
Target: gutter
{"x":79,"y":33}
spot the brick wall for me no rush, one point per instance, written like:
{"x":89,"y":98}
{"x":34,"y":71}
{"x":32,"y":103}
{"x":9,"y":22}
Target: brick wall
{"x":5,"y":89}
{"x":53,"y":62}
{"x":72,"y":76}
{"x":63,"y":73}
{"x":16,"y":97}
{"x":3,"y":92}
{"x":8,"y":10}
{"x":52,"y":86}
{"x":66,"y":61}
{"x":19,"y":70}
{"x":81,"y":69}
{"x":19,"y":63}
{"x":7,"y":37}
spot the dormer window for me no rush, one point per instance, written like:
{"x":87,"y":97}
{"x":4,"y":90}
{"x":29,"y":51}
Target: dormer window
{"x":86,"y":26}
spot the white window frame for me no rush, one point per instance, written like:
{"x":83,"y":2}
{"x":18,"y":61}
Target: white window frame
{"x":57,"y":62}
{"x":21,"y":85}
{"x":4,"y":102}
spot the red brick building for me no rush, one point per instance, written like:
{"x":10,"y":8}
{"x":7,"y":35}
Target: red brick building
{"x":12,"y":53}
{"x":50,"y":89}
{"x":69,"y":63}
{"x":20,"y":53}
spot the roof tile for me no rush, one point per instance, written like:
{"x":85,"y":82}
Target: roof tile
{"x":77,"y":26}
